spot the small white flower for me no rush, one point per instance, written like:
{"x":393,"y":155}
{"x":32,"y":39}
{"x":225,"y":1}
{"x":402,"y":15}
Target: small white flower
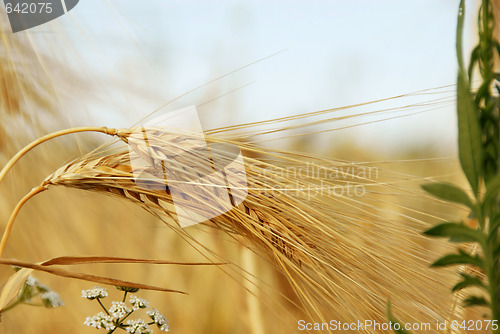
{"x":94,"y":293}
{"x":100,"y":320}
{"x":51,"y":299}
{"x":28,"y":290}
{"x":138,"y":303}
{"x":138,"y":327}
{"x":31,"y":281}
{"x":118,"y":309}
{"x":159,"y":319}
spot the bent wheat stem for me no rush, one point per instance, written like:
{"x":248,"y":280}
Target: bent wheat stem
{"x":8,"y":228}
{"x":254,"y":309}
{"x":50,"y":136}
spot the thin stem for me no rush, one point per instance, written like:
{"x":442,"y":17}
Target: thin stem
{"x":491,"y":267}
{"x":119,"y":322}
{"x":38,"y":189}
{"x":111,"y":331}
{"x":34,"y":304}
{"x":125,"y":317}
{"x":125,"y":296}
{"x":490,"y":271}
{"x":254,"y":308}
{"x":53,"y":135}
{"x":104,"y":308}
{"x":114,"y":329}
{"x":8,"y":229}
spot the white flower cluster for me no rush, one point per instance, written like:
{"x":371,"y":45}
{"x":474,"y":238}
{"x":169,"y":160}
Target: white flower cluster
{"x":35,"y":283}
{"x":33,"y":288}
{"x":51,"y":299}
{"x":31,"y":281}
{"x":118,"y":310}
{"x":100,"y":320}
{"x":159,"y":319}
{"x":114,"y":317}
{"x":138,"y":303}
{"x":138,"y":327}
{"x":29,"y":289}
{"x":94,"y":293}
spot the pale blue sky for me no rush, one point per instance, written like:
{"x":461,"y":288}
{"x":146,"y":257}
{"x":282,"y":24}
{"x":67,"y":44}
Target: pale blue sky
{"x":334,"y":53}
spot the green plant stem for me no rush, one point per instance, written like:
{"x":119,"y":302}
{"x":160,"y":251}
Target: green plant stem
{"x":112,"y":330}
{"x":486,"y":104}
{"x":119,"y":322}
{"x":34,"y":304}
{"x":489,"y":115}
{"x":490,"y":265}
{"x":479,"y":154}
{"x":104,"y":308}
{"x":491,"y":270}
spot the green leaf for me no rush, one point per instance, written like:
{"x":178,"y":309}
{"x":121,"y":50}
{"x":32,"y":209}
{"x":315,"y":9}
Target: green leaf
{"x":475,"y":301}
{"x":492,"y":191}
{"x":482,"y":92}
{"x":473,"y":59}
{"x":457,"y":232}
{"x":468,"y":281}
{"x":460,"y":28}
{"x":469,"y":135}
{"x":448,"y":192}
{"x":460,"y":258}
{"x":495,"y":224}
{"x":401,"y":329}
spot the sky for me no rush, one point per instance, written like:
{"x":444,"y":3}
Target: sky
{"x":282,"y":58}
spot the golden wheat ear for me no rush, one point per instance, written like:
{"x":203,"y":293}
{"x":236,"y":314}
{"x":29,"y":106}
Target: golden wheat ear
{"x":340,"y":255}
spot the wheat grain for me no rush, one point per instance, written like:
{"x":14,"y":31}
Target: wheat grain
{"x":335,"y":259}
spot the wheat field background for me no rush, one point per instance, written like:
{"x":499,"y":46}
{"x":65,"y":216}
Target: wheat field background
{"x":378,"y":253}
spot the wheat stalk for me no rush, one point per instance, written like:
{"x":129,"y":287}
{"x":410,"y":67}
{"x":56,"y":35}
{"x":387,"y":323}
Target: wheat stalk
{"x":329,"y":255}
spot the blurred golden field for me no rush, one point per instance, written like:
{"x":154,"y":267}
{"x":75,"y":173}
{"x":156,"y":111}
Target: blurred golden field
{"x":377,"y":255}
